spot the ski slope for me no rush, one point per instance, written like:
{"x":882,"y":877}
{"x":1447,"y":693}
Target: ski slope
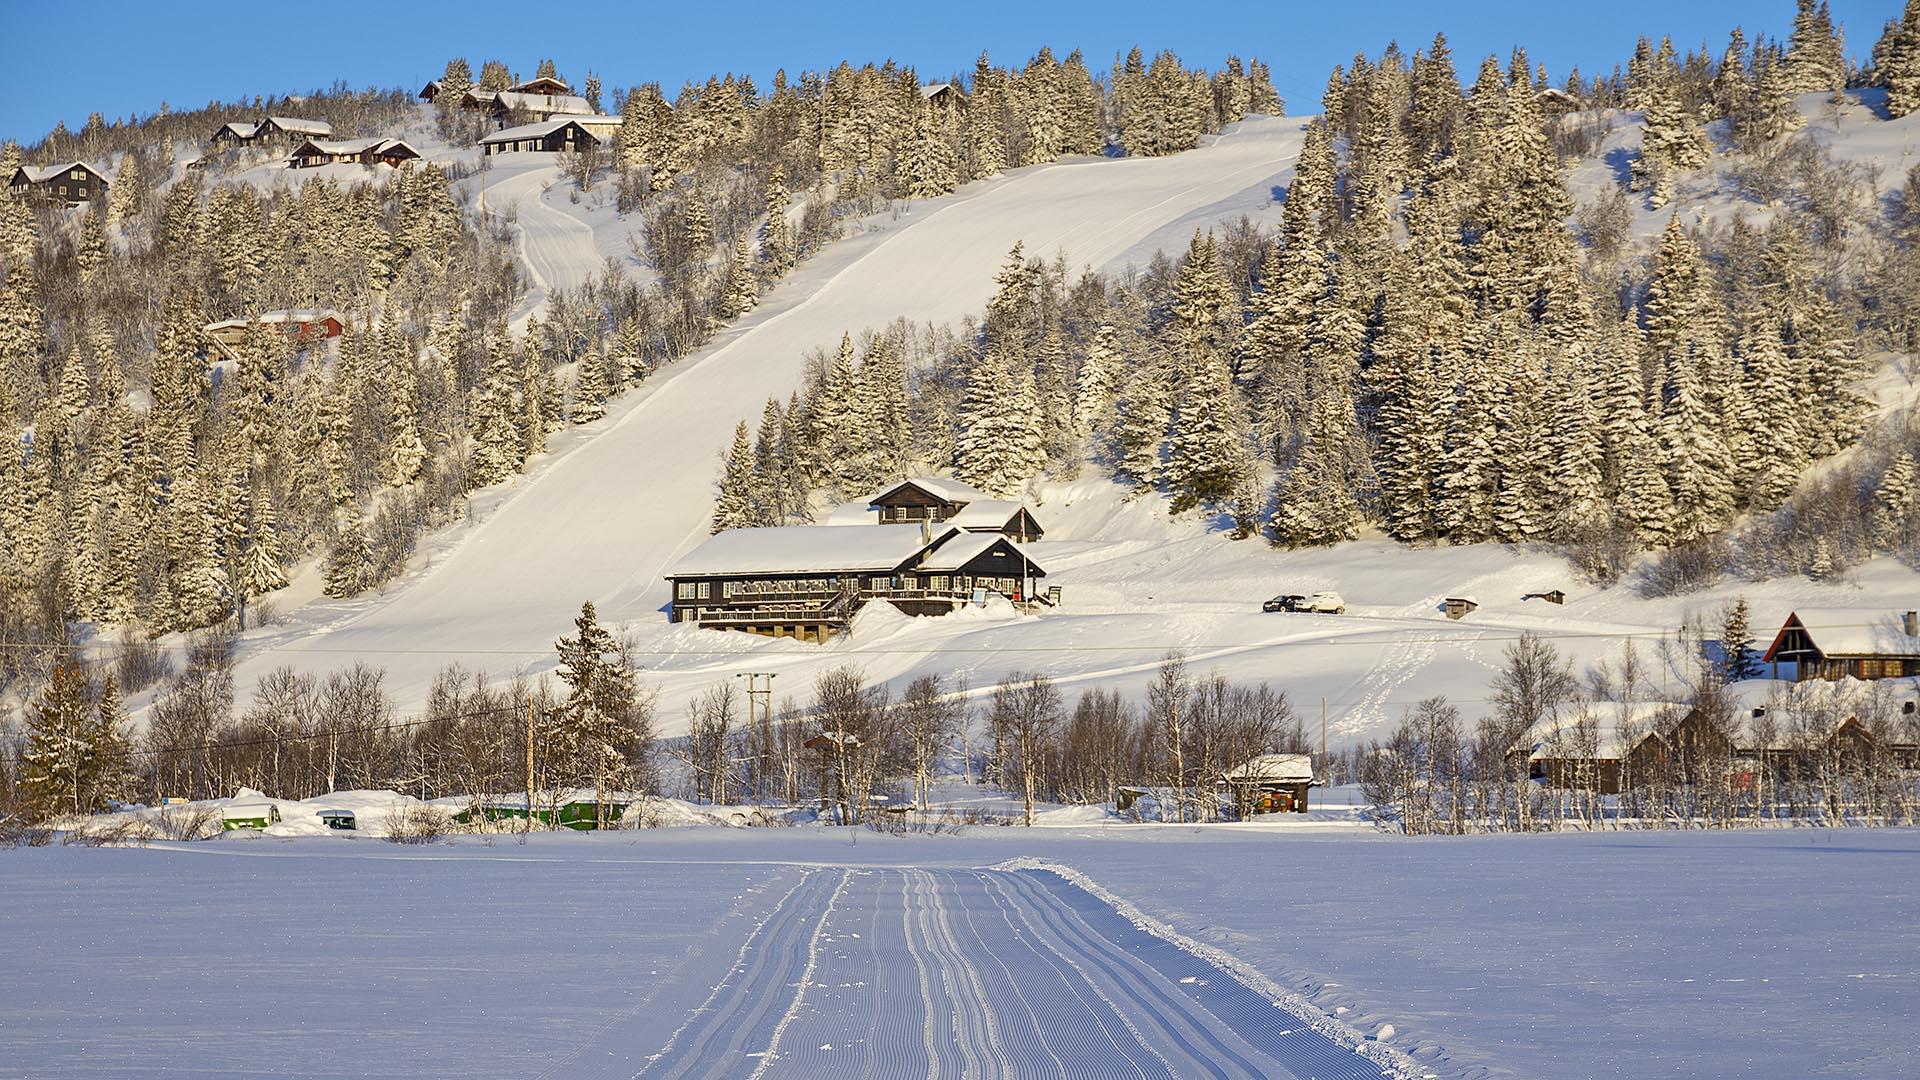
{"x":605,"y":515}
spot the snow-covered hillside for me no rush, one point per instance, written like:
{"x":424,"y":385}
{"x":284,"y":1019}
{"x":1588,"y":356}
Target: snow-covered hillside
{"x":618,"y":501}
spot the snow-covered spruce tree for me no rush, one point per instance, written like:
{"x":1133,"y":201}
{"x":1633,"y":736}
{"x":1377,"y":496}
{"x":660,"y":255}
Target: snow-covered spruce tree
{"x":595,"y":735}
{"x":1206,"y":457}
{"x":1775,"y":450}
{"x":454,"y":83}
{"x":1697,"y":466}
{"x":1898,"y":62}
{"x":986,"y":142}
{"x":1523,"y":455}
{"x":776,"y":238}
{"x":1671,"y":141}
{"x":1313,"y":500}
{"x":260,"y":570}
{"x":1141,"y":434}
{"x":56,"y":764}
{"x":406,"y":453}
{"x":349,"y":568}
{"x":1094,"y":395}
{"x":1577,"y":489}
{"x":1816,"y":62}
{"x":882,"y":415}
{"x":999,"y":447}
{"x":1895,"y":519}
{"x":494,"y":420}
{"x":735,"y":508}
{"x":590,"y":389}
{"x":742,"y":291}
{"x":929,"y":167}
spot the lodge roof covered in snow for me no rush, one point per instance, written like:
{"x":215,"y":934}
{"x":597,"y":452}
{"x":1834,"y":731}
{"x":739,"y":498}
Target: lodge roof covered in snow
{"x":40,"y":174}
{"x":1600,"y":729}
{"x":1847,"y":632}
{"x":1272,"y":769}
{"x":955,"y":552}
{"x":800,"y":549}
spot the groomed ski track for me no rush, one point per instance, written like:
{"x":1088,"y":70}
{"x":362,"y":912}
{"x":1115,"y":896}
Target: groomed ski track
{"x":607,"y":514}
{"x":924,"y":972}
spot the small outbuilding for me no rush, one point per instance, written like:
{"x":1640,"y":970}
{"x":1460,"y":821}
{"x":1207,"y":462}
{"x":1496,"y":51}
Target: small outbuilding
{"x":1459,"y":607}
{"x":1551,"y":596}
{"x":337,"y":819}
{"x":249,"y":815}
{"x":1271,"y":784}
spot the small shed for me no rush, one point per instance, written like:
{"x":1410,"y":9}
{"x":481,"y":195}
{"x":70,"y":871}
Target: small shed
{"x":1459,"y":607}
{"x":337,"y":819}
{"x":249,"y":815}
{"x":1271,"y":784}
{"x":1551,"y":596}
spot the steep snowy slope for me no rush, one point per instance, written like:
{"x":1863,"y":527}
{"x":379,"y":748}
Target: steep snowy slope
{"x":606,"y":514}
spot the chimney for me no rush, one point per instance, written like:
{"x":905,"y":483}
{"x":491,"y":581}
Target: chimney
{"x":1913,"y":624}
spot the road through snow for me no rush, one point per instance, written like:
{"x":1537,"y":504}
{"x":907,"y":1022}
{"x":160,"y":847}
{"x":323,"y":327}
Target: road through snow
{"x":606,"y":517}
{"x":921,"y":972}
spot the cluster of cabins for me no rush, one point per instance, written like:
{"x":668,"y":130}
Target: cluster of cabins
{"x":1609,"y":747}
{"x":931,"y":547}
{"x":312,"y":143}
{"x":542,"y":114}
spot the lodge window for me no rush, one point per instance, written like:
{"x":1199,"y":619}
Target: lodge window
{"x":704,"y":591}
{"x":685,"y":591}
{"x":75,"y":175}
{"x":937,"y":582}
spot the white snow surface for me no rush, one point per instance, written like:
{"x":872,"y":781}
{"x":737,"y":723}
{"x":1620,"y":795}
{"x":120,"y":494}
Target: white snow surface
{"x":1652,"y":955}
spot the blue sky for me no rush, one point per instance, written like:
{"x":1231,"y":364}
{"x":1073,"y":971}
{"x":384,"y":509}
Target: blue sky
{"x":120,"y":58}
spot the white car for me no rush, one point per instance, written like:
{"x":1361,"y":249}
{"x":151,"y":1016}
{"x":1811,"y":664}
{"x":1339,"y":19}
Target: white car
{"x":1328,"y":603}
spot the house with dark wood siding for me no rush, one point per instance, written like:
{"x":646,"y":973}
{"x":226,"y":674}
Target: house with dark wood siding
{"x":68,"y":185}
{"x":570,"y":133}
{"x":808,"y":581}
{"x":1842,"y":643}
{"x":368,"y":152}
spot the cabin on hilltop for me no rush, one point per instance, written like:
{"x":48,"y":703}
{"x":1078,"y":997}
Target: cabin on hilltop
{"x":234,"y":133}
{"x":808,"y":581}
{"x":560,"y":134}
{"x":288,"y":129}
{"x":68,"y":185}
{"x":1838,"y":643}
{"x":368,"y":152}
{"x":301,"y":326}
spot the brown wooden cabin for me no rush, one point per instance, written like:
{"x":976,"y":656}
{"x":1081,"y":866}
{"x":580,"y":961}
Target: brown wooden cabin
{"x":503,"y":105}
{"x":1270,"y":784}
{"x":368,"y":152}
{"x":237,"y":133}
{"x":1841,"y":643}
{"x":943,"y":95}
{"x":64,"y":185}
{"x":1459,"y":607}
{"x":924,"y":498}
{"x":1848,"y":740}
{"x":430,"y":91}
{"x":550,"y":136}
{"x":542,"y":84}
{"x":1602,"y":747}
{"x":291,"y":129}
{"x":808,"y":581}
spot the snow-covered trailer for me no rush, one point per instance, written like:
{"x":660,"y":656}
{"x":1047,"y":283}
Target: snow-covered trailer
{"x":250,"y":815}
{"x":337,"y":819}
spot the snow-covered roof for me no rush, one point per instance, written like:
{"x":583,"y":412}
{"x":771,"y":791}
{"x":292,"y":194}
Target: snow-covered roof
{"x":548,"y":103}
{"x":249,"y":810}
{"x":241,"y":128}
{"x":1273,"y":768}
{"x":1556,"y":735}
{"x":799,"y":549}
{"x":355,"y":147}
{"x":1855,"y":632}
{"x":986,"y":514}
{"x":927,"y":90}
{"x":40,"y":174}
{"x":301,"y":126}
{"x":530,"y":86}
{"x":588,"y":119}
{"x":937,"y":486}
{"x":277,"y":317}
{"x":544,"y":128}
{"x":1838,"y":699}
{"x":959,"y":549}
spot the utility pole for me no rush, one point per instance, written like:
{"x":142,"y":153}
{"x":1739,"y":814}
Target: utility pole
{"x":1323,"y":733}
{"x":762,"y":727}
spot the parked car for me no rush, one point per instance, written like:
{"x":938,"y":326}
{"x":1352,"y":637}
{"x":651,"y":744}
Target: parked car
{"x":1283,"y":602}
{"x":1328,"y":603}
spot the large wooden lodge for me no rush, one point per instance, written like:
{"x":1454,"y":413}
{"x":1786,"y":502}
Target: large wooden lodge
{"x":808,"y":581}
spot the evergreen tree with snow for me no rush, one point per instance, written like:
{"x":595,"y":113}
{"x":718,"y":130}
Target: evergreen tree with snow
{"x":929,"y":167}
{"x":776,"y":240}
{"x":1205,"y":460}
{"x":57,"y":761}
{"x":1694,"y":455}
{"x":1142,"y":432}
{"x":454,"y":83}
{"x":999,"y":447}
{"x":1898,"y":62}
{"x":1816,"y":62}
{"x":349,"y":568}
{"x":260,"y":570}
{"x":406,"y":452}
{"x":1775,"y":449}
{"x":590,"y":389}
{"x":1671,"y":141}
{"x":1094,"y":388}
{"x":1895,"y":519}
{"x":739,"y":481}
{"x":1313,"y":501}
{"x":594,"y":733}
{"x":494,"y":420}
{"x":742,"y":291}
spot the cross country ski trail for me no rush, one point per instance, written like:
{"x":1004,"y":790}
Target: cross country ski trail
{"x":891,"y":974}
